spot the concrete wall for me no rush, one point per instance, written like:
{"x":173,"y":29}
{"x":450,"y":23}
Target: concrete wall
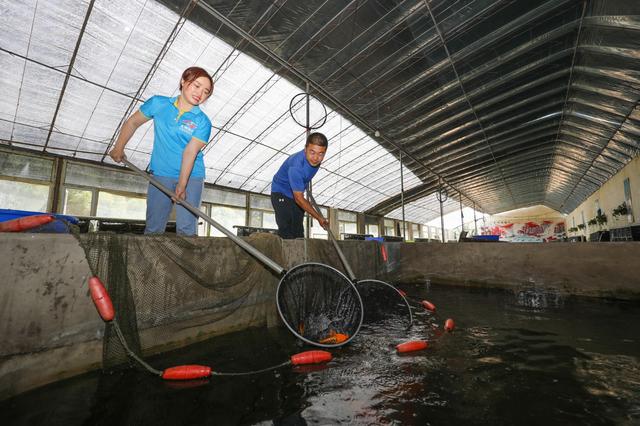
{"x":50,"y":330}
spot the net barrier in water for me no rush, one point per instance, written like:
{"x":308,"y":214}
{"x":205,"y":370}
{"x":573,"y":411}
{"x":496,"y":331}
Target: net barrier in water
{"x":169,"y":291}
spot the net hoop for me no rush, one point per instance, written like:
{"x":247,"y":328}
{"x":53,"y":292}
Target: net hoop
{"x":349,"y":284}
{"x":321,"y":122}
{"x":404,"y":299}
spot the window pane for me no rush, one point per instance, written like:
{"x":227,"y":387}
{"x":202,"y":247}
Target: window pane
{"x":255,"y":218}
{"x":229,"y":198}
{"x":348,"y":228}
{"x":98,"y":177}
{"x":25,"y":166}
{"x":347,"y":216}
{"x":23,"y":196}
{"x":120,"y":206}
{"x":260,"y":202}
{"x":202,"y":224}
{"x":77,"y":202}
{"x":227,"y":217}
{"x":319,"y":233}
{"x":269,"y":220}
{"x":373,"y":230}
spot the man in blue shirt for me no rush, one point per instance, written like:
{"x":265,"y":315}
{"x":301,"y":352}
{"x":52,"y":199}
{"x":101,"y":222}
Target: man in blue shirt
{"x":289,"y":184}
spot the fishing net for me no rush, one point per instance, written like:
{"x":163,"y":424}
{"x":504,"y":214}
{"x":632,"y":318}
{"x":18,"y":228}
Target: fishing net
{"x":170,"y":291}
{"x":383,"y":302}
{"x":319,"y":305}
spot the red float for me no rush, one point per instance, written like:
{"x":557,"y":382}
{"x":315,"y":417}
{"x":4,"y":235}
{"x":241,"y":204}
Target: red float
{"x":25,"y":223}
{"x":449,"y":325}
{"x":101,"y":299}
{"x":383,"y":250}
{"x":411,"y":346}
{"x":186,"y":372}
{"x":428,"y":305}
{"x":311,"y":357}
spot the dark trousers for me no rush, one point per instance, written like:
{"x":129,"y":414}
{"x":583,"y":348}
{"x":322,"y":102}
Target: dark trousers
{"x":289,"y":216}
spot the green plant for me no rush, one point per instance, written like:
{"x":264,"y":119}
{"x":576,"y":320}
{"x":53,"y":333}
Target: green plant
{"x":581,"y":226}
{"x":601,"y":218}
{"x":574,"y":229}
{"x":621,"y":210}
{"x":592,"y":222}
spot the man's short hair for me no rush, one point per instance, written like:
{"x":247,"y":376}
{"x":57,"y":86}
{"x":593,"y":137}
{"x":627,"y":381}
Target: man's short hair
{"x":317,"y":139}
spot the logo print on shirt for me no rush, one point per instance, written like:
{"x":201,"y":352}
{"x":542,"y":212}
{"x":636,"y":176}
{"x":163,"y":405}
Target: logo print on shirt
{"x":188,"y":126}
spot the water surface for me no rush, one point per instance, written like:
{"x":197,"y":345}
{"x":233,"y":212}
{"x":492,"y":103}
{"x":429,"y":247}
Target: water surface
{"x":526,"y":357}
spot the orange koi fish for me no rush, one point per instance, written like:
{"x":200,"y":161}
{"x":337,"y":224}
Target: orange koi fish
{"x":334,"y":339}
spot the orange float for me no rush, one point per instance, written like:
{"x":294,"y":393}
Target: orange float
{"x":186,"y":372}
{"x":101,"y":299}
{"x":311,"y":357}
{"x":411,"y":346}
{"x":25,"y":223}
{"x":428,"y":305}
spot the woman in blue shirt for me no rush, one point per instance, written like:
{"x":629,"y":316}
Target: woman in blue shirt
{"x":180,"y":132}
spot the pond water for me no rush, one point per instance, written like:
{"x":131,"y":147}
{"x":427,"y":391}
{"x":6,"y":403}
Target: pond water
{"x":525,"y":357}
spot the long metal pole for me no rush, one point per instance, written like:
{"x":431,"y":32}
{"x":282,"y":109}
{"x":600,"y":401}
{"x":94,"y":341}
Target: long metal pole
{"x":308,"y":132}
{"x":404,"y":226}
{"x":248,"y":247}
{"x":461,"y":216}
{"x":442,"y":218}
{"x":343,"y":259}
{"x":475,"y":221}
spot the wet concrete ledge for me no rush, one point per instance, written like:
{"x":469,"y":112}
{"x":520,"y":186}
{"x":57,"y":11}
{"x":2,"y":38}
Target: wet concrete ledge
{"x":50,"y":330}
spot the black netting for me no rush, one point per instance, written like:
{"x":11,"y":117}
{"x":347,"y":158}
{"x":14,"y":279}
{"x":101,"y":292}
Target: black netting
{"x":319,"y":304}
{"x":165,"y":288}
{"x":383,"y":302}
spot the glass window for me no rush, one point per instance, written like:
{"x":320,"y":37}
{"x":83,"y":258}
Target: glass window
{"x":389,"y":229}
{"x":121,"y":206}
{"x":269,"y":220}
{"x":347,"y":216}
{"x":203,"y":226}
{"x":227,"y":217}
{"x":255,"y":218}
{"x":219,"y":196}
{"x":25,"y":166}
{"x":348,"y":228}
{"x":627,"y":189}
{"x":415,"y":229}
{"x":77,"y":201}
{"x":24,"y":196}
{"x":260,"y":202}
{"x":103,"y":178}
{"x":372,"y":230}
{"x":319,"y":232}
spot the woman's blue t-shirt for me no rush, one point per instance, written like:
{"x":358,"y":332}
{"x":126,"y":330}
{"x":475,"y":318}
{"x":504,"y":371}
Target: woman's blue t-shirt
{"x":294,"y":175}
{"x":172,"y":132}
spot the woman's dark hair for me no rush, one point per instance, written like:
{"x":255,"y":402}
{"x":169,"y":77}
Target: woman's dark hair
{"x":192,"y":74}
{"x":317,"y":139}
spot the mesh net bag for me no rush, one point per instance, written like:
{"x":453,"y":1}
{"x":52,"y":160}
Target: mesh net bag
{"x":319,"y":305}
{"x":383,"y":303}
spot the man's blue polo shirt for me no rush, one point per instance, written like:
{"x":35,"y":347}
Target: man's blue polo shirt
{"x":171,"y":134}
{"x":294,"y":175}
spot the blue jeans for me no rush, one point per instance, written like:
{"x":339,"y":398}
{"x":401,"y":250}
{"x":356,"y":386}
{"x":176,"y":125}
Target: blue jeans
{"x":159,"y":207}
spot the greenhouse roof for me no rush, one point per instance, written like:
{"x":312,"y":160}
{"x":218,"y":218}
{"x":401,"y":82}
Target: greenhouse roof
{"x":499,"y":104}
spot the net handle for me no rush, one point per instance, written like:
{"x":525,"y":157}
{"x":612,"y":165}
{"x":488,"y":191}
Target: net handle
{"x":343,"y":259}
{"x":246,"y":246}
